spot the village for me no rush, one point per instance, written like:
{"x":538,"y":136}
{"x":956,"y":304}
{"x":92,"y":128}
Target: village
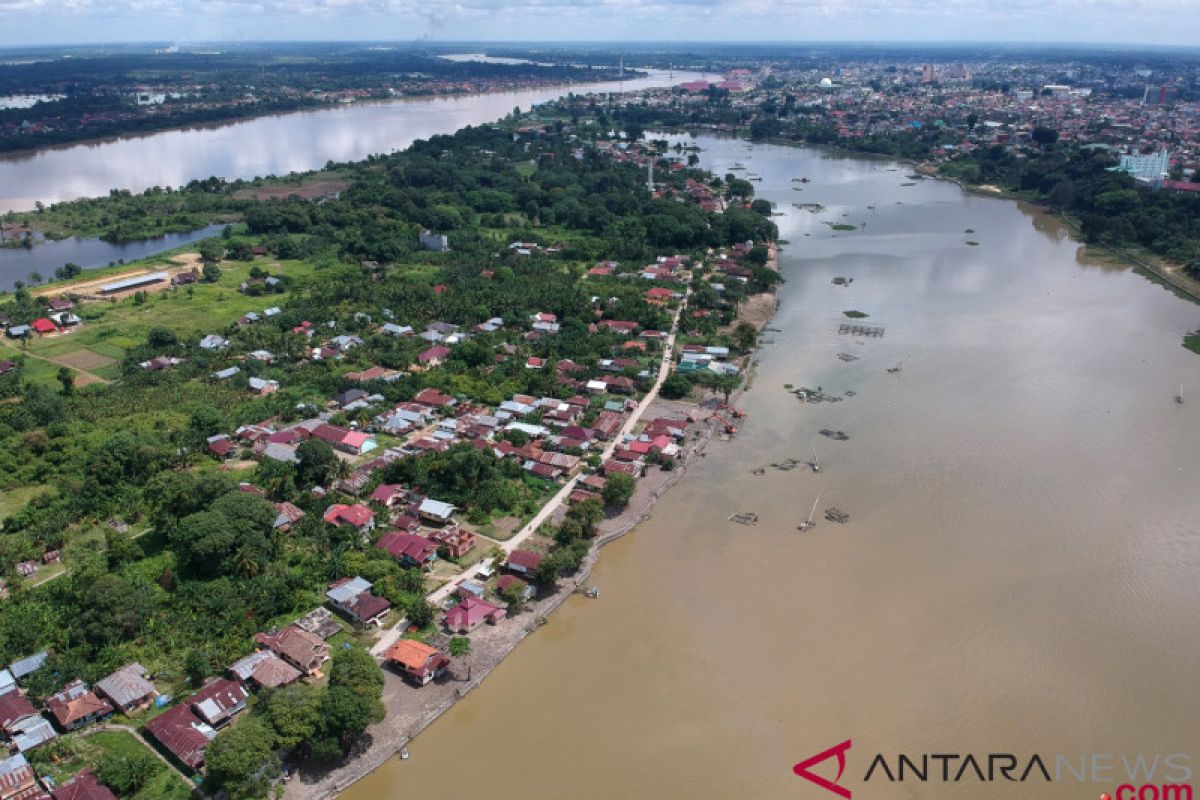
{"x":596,"y":453}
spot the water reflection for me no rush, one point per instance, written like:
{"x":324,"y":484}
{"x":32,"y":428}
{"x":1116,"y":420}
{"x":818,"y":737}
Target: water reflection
{"x":279,"y":144}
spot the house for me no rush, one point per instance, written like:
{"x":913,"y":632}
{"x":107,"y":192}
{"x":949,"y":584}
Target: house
{"x":524,"y":562}
{"x":182,"y":734}
{"x":289,"y":515}
{"x":7,"y":366}
{"x":84,"y":786}
{"x":433,"y":356}
{"x":436,"y":511}
{"x":453,"y":542}
{"x":265,"y":670}
{"x":17,"y":779}
{"x":389,"y":495}
{"x":14,"y":707}
{"x":221,"y":446}
{"x":512,"y":582}
{"x":409,"y":549}
{"x":353,"y":597}
{"x":213,"y":342}
{"x":23,"y":668}
{"x":17,"y":331}
{"x":127,"y":688}
{"x":303,"y":650}
{"x":219,"y":701}
{"x":343,"y":399}
{"x":43,"y":326}
{"x":433,"y":398}
{"x":358,"y":516}
{"x":437,"y":242}
{"x":470,"y":588}
{"x":417,"y":661}
{"x":159,"y":363}
{"x":77,"y":705}
{"x":263,"y":386}
{"x":471,"y":613}
{"x":344,"y":439}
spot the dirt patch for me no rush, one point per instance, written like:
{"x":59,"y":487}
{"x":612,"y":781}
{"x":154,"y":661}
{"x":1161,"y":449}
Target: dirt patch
{"x":89,"y":290}
{"x":757,"y":309}
{"x":86,"y":360}
{"x":307,"y":191}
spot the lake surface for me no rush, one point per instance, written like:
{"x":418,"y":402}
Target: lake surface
{"x":44,"y":258}
{"x":273,"y":145}
{"x":1020,"y":569}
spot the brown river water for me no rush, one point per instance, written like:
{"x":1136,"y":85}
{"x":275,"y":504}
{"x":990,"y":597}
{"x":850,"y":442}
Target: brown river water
{"x":1018,"y":575}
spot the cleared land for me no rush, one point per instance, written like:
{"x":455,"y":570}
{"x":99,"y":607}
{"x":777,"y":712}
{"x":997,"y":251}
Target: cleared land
{"x":306,"y":191}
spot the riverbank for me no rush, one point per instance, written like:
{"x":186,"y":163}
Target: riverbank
{"x":1151,"y":266}
{"x":411,"y":709}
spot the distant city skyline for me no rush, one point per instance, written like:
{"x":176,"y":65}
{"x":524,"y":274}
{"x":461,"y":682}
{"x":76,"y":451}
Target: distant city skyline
{"x":1144,"y":22}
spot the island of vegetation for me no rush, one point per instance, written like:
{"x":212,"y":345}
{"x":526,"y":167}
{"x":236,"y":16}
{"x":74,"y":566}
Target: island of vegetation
{"x":87,"y":93}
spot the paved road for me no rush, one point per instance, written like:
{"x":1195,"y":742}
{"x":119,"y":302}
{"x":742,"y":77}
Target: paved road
{"x":438,"y":596}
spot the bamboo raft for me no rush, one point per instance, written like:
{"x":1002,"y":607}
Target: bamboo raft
{"x":869,"y":331}
{"x":836,"y":515}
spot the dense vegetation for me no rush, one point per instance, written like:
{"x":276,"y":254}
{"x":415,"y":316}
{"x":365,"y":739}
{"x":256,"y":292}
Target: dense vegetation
{"x":200,"y":569}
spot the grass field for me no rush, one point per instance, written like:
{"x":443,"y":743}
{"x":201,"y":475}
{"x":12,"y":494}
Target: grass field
{"x":111,"y":327}
{"x":72,"y":753}
{"x":13,"y":500}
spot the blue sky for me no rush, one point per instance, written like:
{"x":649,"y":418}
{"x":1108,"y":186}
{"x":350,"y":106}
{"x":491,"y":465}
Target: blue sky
{"x":1161,"y":22}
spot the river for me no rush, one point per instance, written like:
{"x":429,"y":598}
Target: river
{"x":270,"y":145}
{"x":1020,"y":569}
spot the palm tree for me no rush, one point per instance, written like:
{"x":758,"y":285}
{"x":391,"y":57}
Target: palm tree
{"x":460,"y":647}
{"x":248,"y":561}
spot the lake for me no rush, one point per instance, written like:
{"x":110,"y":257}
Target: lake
{"x":44,"y":258}
{"x":1019,"y":573}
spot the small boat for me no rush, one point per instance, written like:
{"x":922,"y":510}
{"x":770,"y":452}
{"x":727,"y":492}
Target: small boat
{"x":592,"y":593}
{"x":404,"y":753}
{"x":895,"y":368}
{"x":815,"y":464}
{"x":809,"y":523}
{"x":1179,"y":397}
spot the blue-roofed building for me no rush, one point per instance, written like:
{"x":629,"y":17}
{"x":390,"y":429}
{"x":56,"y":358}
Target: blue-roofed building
{"x":28,"y":665}
{"x":134,"y":282}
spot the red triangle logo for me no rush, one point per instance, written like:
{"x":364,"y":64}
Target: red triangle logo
{"x":802,"y":769}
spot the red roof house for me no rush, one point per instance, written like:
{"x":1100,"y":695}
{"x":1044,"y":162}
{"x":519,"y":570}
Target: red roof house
{"x":409,"y":548}
{"x":471,"y":613}
{"x":183,"y":734}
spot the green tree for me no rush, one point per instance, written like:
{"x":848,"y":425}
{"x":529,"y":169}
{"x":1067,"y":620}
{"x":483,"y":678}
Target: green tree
{"x":128,"y":773}
{"x":113,"y":610}
{"x":316,"y":463}
{"x":66,"y":377}
{"x":211,"y":251}
{"x":211,"y":272}
{"x":1044,"y":136}
{"x":242,"y":759}
{"x":295,"y":714}
{"x":675,"y":387}
{"x":618,"y":490}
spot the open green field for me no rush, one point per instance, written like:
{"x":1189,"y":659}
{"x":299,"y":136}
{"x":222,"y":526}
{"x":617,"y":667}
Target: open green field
{"x":110,"y":328}
{"x":13,"y":500}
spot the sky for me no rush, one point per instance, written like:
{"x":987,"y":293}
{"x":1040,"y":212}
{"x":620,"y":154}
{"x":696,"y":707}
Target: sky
{"x":1156,"y":22}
